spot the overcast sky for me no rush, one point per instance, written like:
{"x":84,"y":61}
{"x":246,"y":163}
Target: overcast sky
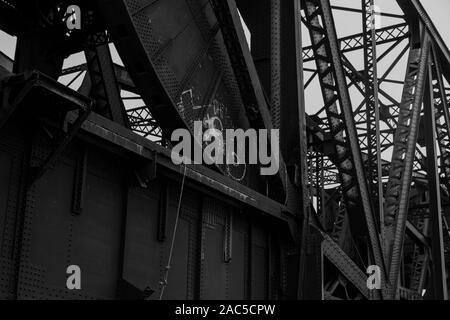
{"x":439,"y":11}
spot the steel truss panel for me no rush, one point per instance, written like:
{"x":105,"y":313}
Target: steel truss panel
{"x":334,"y":90}
{"x":437,"y":237}
{"x":442,"y":118}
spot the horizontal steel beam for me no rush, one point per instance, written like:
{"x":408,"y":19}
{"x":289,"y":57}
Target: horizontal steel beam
{"x":356,"y":42}
{"x":125,"y":140}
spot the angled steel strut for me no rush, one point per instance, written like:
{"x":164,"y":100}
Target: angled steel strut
{"x":400,"y":176}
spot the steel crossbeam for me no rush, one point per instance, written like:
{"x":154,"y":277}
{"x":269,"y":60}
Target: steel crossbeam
{"x":355,"y":42}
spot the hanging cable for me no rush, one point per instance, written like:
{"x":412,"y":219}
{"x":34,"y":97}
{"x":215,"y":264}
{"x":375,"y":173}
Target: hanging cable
{"x":175,"y":227}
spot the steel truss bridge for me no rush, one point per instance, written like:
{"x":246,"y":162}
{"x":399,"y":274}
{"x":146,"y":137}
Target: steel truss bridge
{"x":361,"y":98}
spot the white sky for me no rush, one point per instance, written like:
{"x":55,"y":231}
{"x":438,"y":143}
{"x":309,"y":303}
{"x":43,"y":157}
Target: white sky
{"x":439,"y":11}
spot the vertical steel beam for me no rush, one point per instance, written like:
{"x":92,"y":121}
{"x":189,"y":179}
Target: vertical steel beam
{"x":275,"y":62}
{"x":287,"y":95}
{"x":372,"y":113}
{"x":437,"y":237}
{"x":302,"y":165}
{"x":400,"y":176}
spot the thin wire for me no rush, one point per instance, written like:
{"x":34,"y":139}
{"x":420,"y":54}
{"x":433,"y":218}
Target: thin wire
{"x":359,"y":254}
{"x":166,"y":273}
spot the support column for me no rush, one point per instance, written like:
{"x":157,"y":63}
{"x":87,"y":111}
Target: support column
{"x":437,"y":237}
